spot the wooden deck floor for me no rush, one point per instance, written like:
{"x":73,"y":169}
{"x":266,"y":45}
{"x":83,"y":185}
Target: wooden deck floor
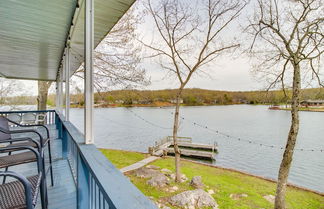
{"x":63,"y":194}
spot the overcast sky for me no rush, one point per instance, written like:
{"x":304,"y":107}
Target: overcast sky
{"x":225,"y":73}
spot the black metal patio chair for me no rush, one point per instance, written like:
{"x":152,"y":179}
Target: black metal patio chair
{"x":20,"y":158}
{"x":23,"y":192}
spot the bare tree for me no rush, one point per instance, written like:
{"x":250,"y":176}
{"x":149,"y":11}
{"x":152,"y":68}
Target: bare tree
{"x":7,"y":88}
{"x":43,"y":87}
{"x":189,"y":39}
{"x":117,"y":61}
{"x":288,"y":40}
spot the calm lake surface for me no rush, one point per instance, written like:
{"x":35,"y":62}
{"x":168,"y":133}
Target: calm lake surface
{"x":139,"y":127}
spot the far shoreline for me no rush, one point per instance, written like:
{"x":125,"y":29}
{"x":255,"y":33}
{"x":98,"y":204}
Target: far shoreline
{"x":303,"y":109}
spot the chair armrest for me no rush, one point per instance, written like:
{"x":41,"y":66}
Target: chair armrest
{"x":21,"y":139}
{"x":24,"y":131}
{"x":38,"y":125}
{"x":27,"y":186}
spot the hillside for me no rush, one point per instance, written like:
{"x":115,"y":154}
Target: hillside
{"x":193,"y":97}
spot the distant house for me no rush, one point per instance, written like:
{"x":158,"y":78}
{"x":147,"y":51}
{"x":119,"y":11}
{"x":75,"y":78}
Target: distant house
{"x":174,"y":101}
{"x":312,"y":103}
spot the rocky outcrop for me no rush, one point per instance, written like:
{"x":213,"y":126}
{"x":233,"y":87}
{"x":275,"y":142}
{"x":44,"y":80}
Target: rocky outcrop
{"x":193,"y":199}
{"x":159,"y":180}
{"x":165,"y":170}
{"x":183,"y":178}
{"x":146,"y":172}
{"x":196,"y":182}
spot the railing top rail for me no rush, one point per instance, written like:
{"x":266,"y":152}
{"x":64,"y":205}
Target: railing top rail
{"x":26,"y":111}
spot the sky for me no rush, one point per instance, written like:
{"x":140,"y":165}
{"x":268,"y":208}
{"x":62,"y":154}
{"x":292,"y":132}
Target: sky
{"x":226,"y":73}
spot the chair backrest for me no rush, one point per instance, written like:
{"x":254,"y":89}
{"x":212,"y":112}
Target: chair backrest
{"x":4,"y":124}
{"x":14,"y":117}
{"x":28,"y":118}
{"x":40,"y":118}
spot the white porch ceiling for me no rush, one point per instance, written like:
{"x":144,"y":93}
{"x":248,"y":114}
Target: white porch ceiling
{"x":33,"y":34}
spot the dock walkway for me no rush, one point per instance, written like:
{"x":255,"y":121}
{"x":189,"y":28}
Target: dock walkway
{"x":139,"y":164}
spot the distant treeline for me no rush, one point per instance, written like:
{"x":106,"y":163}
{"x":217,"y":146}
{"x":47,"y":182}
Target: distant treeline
{"x":18,"y":100}
{"x":167,"y":97}
{"x":196,"y":97}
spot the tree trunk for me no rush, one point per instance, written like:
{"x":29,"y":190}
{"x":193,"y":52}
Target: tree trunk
{"x":43,"y":87}
{"x":175,"y":133}
{"x":291,"y":141}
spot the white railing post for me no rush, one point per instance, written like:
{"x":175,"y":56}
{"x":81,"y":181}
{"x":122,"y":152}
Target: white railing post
{"x":88,"y":72}
{"x":67,"y":83}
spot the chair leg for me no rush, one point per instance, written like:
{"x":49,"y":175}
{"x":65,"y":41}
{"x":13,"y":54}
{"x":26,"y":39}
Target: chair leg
{"x":4,"y":178}
{"x":6,"y":169}
{"x":43,"y":193}
{"x":50,"y":161}
{"x":44,"y":199}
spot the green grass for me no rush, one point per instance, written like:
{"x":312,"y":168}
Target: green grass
{"x":121,"y":158}
{"x":224,"y":183}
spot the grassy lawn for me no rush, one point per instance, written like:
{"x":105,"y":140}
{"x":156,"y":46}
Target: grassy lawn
{"x":223,"y":182}
{"x":122,"y":158}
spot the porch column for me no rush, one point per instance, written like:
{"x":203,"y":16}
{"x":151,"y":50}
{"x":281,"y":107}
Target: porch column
{"x":67,"y":83}
{"x":59,"y":92}
{"x":88,"y":72}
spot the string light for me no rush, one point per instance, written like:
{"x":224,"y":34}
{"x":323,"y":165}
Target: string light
{"x":153,"y":124}
{"x":242,"y":139}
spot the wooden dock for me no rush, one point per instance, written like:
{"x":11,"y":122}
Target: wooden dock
{"x":187,"y":148}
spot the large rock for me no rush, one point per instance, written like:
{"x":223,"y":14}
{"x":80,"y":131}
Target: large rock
{"x":165,"y":170}
{"x":158,"y":181}
{"x":193,"y":199}
{"x":183,"y":178}
{"x":196,"y":182}
{"x":146,"y":172}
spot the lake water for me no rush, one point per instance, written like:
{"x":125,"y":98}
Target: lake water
{"x":139,"y":127}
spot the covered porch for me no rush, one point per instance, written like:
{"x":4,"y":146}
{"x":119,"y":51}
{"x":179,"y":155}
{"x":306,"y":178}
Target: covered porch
{"x":49,"y":41}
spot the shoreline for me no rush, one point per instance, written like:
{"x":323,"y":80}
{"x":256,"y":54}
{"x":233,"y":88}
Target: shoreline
{"x":161,"y":105}
{"x":233,"y":170}
{"x":302,"y":109}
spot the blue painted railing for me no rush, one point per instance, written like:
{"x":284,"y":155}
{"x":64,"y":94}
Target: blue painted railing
{"x":99,"y":184}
